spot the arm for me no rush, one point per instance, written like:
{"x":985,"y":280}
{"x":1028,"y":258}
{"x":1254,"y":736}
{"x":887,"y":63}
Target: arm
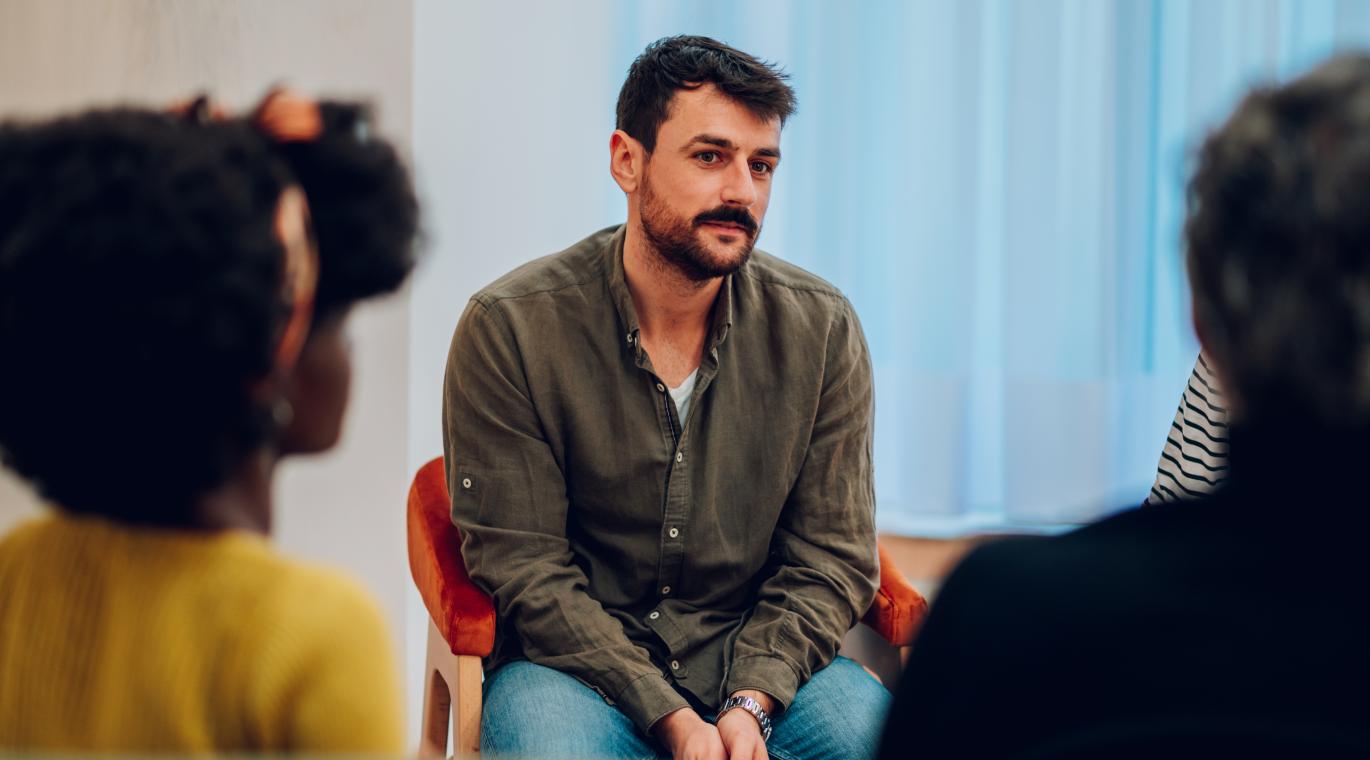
{"x":1194,"y":459}
{"x":509,"y":499}
{"x":824,"y":549}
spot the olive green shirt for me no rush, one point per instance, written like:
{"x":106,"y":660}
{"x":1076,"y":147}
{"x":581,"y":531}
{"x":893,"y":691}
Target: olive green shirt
{"x":649,"y":556}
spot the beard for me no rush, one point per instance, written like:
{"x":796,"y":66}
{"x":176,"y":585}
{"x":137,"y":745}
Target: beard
{"x":679,"y":243}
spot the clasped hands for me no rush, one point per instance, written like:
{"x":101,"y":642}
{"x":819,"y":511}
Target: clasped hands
{"x":736,"y":736}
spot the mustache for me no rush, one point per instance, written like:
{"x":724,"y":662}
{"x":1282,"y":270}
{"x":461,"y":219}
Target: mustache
{"x":729,"y":215}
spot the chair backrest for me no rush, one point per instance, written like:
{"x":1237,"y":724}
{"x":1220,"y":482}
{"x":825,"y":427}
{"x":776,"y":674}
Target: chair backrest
{"x":898,"y":609}
{"x":462,"y":612}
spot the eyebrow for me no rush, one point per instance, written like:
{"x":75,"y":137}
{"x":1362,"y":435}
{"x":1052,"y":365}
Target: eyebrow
{"x":726,"y":144}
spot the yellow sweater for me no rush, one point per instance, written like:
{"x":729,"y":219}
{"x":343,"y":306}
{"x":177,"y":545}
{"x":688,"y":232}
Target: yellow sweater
{"x":136,"y":640}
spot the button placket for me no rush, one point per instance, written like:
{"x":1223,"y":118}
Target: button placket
{"x":675,"y":517}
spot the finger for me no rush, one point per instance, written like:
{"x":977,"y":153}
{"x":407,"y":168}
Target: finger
{"x":751,"y":749}
{"x":720,"y":749}
{"x":745,"y":748}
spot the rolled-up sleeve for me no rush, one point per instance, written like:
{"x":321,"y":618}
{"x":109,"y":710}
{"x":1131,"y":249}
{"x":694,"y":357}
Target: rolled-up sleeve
{"x":509,"y":500}
{"x":824,"y":549}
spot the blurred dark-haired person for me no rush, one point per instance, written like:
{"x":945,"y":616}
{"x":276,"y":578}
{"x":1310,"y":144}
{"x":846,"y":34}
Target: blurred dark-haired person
{"x":658,"y":444}
{"x":170,"y":331}
{"x":1232,"y":625}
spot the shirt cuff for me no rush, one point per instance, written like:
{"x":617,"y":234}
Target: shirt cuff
{"x":649,"y":699}
{"x":772,"y":675}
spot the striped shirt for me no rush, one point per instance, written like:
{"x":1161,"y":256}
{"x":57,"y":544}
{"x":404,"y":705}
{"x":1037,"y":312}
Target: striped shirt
{"x":1194,"y":460}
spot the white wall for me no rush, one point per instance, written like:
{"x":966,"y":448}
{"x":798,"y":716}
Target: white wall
{"x":509,"y":168}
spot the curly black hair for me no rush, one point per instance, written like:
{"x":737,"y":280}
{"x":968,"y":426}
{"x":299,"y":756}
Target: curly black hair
{"x":686,"y":62}
{"x":1278,"y":248}
{"x":140,"y":292}
{"x":361,"y":198}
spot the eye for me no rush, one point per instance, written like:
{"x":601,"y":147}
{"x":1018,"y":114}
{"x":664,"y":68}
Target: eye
{"x":708,"y":156}
{"x":761,"y":167}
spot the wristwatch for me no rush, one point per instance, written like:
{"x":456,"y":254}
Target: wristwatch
{"x":752,"y":706}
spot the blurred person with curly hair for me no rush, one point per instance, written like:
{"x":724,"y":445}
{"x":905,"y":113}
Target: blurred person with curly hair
{"x":173,"y":324}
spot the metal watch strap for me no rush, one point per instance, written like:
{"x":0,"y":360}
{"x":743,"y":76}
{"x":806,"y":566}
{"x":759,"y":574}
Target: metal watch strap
{"x":752,"y":706}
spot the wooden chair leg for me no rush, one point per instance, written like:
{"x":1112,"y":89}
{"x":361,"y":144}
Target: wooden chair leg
{"x":467,"y":705}
{"x":437,"y":697}
{"x":451,"y":696}
{"x":437,"y":700}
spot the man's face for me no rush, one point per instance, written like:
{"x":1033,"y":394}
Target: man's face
{"x":706,"y":186}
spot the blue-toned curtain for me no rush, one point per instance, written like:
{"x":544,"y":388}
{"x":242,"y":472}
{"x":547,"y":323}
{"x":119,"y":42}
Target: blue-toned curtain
{"x":998,"y":187}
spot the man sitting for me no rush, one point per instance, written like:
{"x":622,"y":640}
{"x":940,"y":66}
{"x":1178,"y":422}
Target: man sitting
{"x":658,"y":445}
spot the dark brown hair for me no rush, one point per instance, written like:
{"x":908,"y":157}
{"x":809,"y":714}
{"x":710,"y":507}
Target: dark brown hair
{"x":687,"y":63}
{"x":1278,"y":241}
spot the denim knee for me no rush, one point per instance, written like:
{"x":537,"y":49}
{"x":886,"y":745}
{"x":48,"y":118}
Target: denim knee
{"x":839,"y":714}
{"x":535,"y":711}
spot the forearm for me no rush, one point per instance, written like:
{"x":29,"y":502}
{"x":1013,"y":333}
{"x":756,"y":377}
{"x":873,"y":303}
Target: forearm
{"x":540,"y":596}
{"x":827,"y":570}
{"x":797,"y":627}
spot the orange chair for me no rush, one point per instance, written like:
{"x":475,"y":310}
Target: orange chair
{"x":462,"y":629}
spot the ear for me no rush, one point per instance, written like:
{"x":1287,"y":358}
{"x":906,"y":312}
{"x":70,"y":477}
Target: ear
{"x":627,"y":158}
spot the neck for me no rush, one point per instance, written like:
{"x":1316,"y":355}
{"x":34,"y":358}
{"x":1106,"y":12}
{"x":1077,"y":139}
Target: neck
{"x":243,"y":502}
{"x":667,"y":302}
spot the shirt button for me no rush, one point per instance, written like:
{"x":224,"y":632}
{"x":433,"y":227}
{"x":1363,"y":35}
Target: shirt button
{"x":665,"y":590}
{"x":679,"y":457}
{"x":654,"y":615}
{"x":661,"y":387}
{"x":675,"y":664}
{"x":673,"y":532}
{"x":465,"y":482}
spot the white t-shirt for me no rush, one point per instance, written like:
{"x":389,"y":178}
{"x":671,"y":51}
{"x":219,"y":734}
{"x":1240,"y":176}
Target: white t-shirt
{"x":681,"y":396}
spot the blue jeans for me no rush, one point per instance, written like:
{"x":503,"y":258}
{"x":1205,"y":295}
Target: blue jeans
{"x":532,"y":711}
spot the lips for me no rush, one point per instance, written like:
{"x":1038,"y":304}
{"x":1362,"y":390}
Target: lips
{"x":729,"y":227}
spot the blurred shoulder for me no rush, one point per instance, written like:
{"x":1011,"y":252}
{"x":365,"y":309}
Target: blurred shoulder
{"x":1100,"y":563}
{"x":315,"y":595}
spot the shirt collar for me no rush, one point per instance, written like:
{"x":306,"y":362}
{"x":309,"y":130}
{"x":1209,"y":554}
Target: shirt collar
{"x":627,"y":313}
{"x":618,"y":288}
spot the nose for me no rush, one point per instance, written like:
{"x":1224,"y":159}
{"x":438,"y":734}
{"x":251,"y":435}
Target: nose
{"x":739,"y":189}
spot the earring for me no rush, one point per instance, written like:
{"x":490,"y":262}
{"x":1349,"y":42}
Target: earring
{"x":283,"y":413}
